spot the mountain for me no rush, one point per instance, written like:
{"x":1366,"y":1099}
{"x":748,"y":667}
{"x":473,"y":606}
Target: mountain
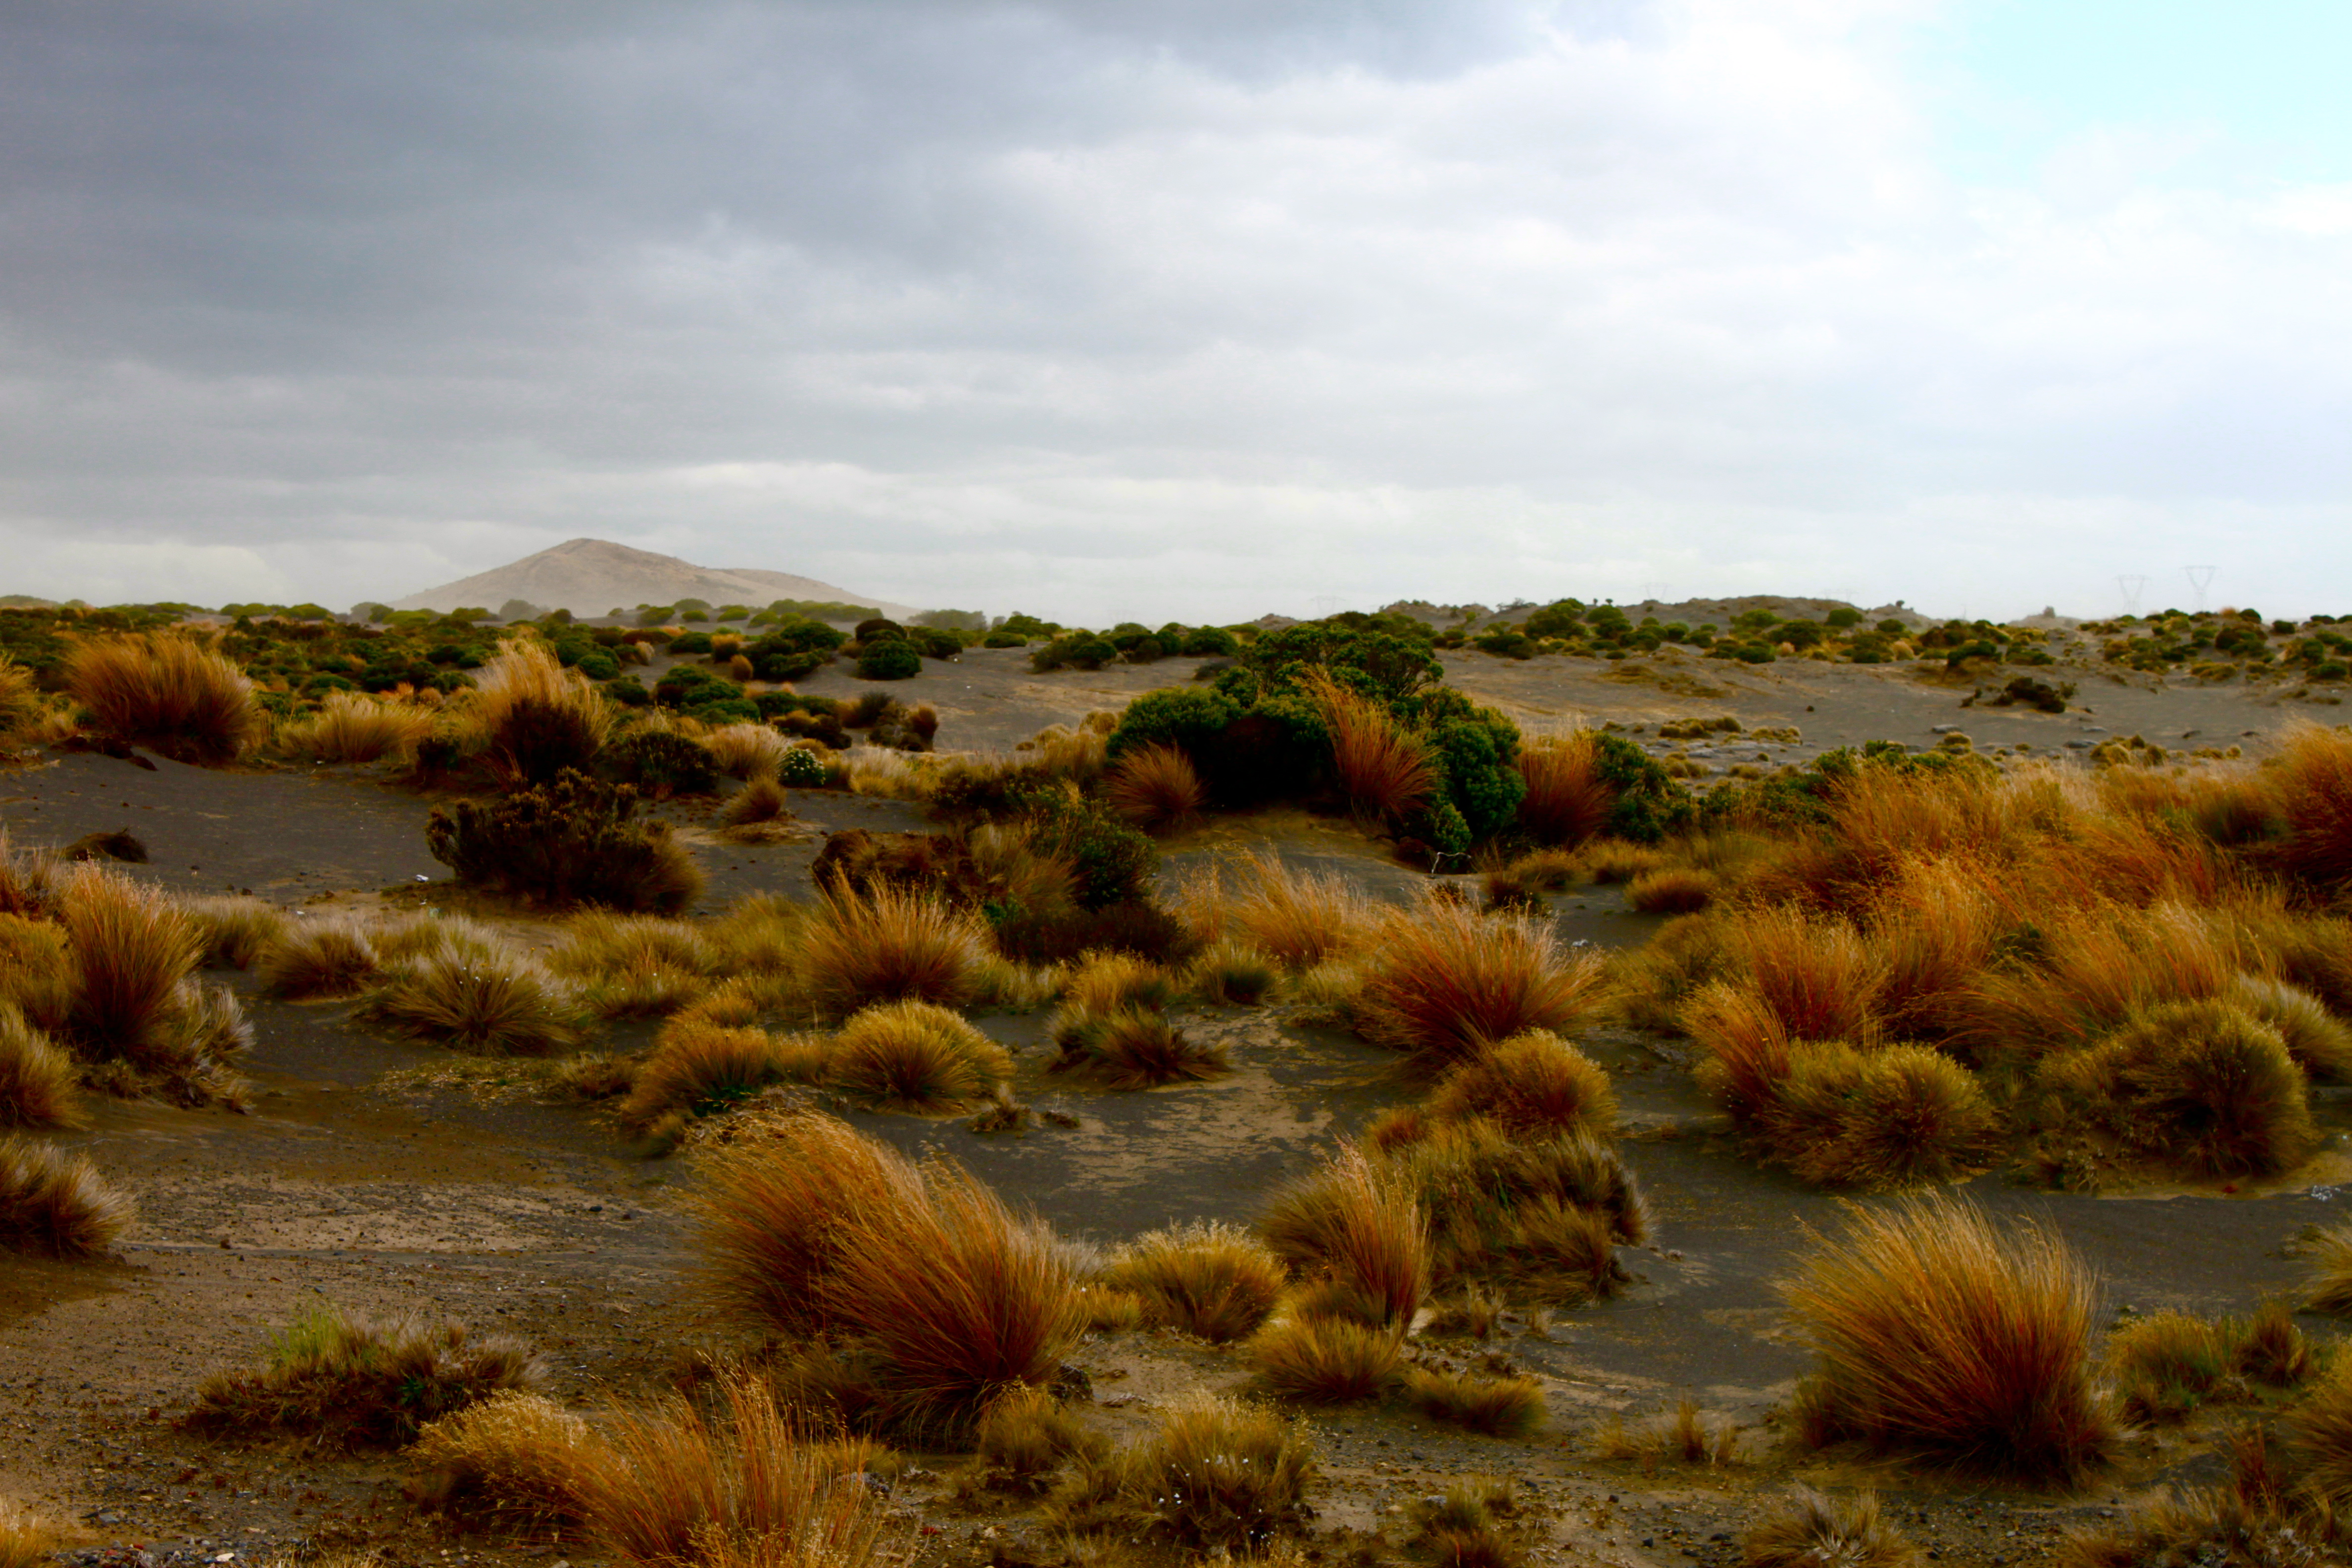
{"x":590,"y":576}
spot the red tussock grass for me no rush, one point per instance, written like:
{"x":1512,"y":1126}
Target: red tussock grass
{"x":2328,"y":1287}
{"x":1133,"y":1046}
{"x":1672,"y":890}
{"x":1533,"y":1085}
{"x":517,"y":1458}
{"x":352,"y":728}
{"x":1360,"y":1225}
{"x":2319,"y":1041}
{"x":38,"y":1085}
{"x":131,"y":948}
{"x":751,"y":752}
{"x":1567,"y":800}
{"x":916,"y":1056}
{"x":1501,"y":1406}
{"x":1942,"y":1336}
{"x":2202,"y":1084}
{"x":2320,"y":1429}
{"x":1208,"y":1279}
{"x":314,"y":959}
{"x":498,"y":1002}
{"x":1817,"y":976}
{"x":2099,"y":968}
{"x":2312,"y":785}
{"x":54,"y":1204}
{"x":704,"y":1068}
{"x":1313,"y":1359}
{"x":536,"y":717}
{"x":1894,"y":1116}
{"x":167,"y":691}
{"x":1383,"y":768}
{"x":1223,"y":1473}
{"x":1446,"y":982}
{"x":1301,"y":918}
{"x":233,"y":929}
{"x":890,"y":944}
{"x":1156,"y":788}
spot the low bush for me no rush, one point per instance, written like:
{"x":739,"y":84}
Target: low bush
{"x":315,"y":959}
{"x":576,"y":840}
{"x":1943,"y":1338}
{"x":1207,"y":1278}
{"x":1315,"y":1359}
{"x":54,"y":1204}
{"x":1446,"y":982}
{"x":1814,"y":1530}
{"x":659,"y":764}
{"x":916,"y":1056}
{"x":359,"y":1382}
{"x":170,"y":693}
{"x":1504,"y":1407}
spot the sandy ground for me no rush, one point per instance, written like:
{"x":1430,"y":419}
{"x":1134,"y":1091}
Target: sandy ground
{"x":536,"y":1220}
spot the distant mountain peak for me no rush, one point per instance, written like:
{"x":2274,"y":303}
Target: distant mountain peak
{"x":591,"y":576}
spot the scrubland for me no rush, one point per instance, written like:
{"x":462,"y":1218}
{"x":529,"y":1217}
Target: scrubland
{"x":856,"y":1018}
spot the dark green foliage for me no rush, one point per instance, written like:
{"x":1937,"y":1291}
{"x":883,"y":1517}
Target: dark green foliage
{"x":1005,"y":639}
{"x":1649,"y":804}
{"x":360,"y":1381}
{"x":935,"y":643}
{"x":576,"y":840}
{"x":662,"y":762}
{"x":1392,"y":662}
{"x":888,"y":658}
{"x":1112,"y":862}
{"x":793,"y":648}
{"x":598,"y":665}
{"x":1562,"y":618}
{"x":690,"y":643}
{"x":801,"y":769}
{"x":1210,"y":642}
{"x":1479,"y":748}
{"x":1074,"y":650}
{"x":629,"y":692}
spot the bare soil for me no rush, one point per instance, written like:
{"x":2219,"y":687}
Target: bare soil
{"x":341,"y":1186}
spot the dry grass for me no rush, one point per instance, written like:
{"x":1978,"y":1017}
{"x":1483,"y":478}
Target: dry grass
{"x":756,"y":1494}
{"x":1223,"y":1473}
{"x":746,"y":750}
{"x":1547,"y":1212}
{"x":947,"y":1296}
{"x":352,"y":728}
{"x":635,"y":966}
{"x":2166,"y":1364}
{"x":1943,"y":1336}
{"x":1208,"y":1279}
{"x":1505,"y":1406}
{"x":918,"y":1056}
{"x":537,"y":718}
{"x":1533,"y":1084}
{"x":1102,"y":980}
{"x":1893,"y":1117}
{"x":312,"y":960}
{"x":24,"y":1541}
{"x":2320,"y":1431}
{"x":1816,"y":1532}
{"x":498,"y":1002}
{"x":1300,"y":919}
{"x":1156,"y":788}
{"x":756,"y":814}
{"x":169,"y":692}
{"x":1817,"y":976}
{"x":54,"y":1204}
{"x":517,"y":1458}
{"x":2327,"y":1288}
{"x":1446,"y":984}
{"x":1232,"y":971}
{"x":890,"y":944}
{"x":2201,"y":1085}
{"x":1384,"y":769}
{"x":1133,"y":1046}
{"x":1022,"y":1439}
{"x":1361,"y":1227}
{"x":232,"y":931}
{"x":1314,"y":1359}
{"x":1462,"y":1527}
{"x":1566,"y":800}
{"x":2320,"y":1042}
{"x":132,"y":951}
{"x":359,"y":1381}
{"x":2311,"y":788}
{"x":1672,"y":890}
{"x":38,"y":1085}
{"x":703,"y":1069}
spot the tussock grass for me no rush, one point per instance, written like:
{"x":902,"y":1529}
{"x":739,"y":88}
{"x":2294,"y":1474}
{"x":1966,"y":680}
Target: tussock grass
{"x":352,"y":728}
{"x":889,"y":944}
{"x":756,"y":814}
{"x":1506,"y":1406}
{"x":703,"y":1069}
{"x":1208,"y":1279}
{"x":2166,"y":1364}
{"x":1533,"y":1084}
{"x":1817,"y":976}
{"x":1223,"y":1473}
{"x":233,"y":929}
{"x":1312,"y":1358}
{"x":498,"y":1002}
{"x":2319,"y":1432}
{"x":1133,"y":1046}
{"x":1102,"y":980}
{"x":1023,"y":1439}
{"x":2311,"y":788}
{"x":2320,"y":1042}
{"x":132,"y":951}
{"x":1892,"y":1116}
{"x":1156,"y":788}
{"x":635,"y":966}
{"x":948,"y":1298}
{"x":54,"y":1204}
{"x":757,"y":1493}
{"x":1547,"y":1210}
{"x":1943,"y":1336}
{"x":1232,"y":971}
{"x":2327,"y":1288}
{"x":20,"y":699}
{"x":38,"y":1085}
{"x":517,"y":1458}
{"x":1566,"y":800}
{"x":309,"y":959}
{"x":1360,"y":1226}
{"x":1445,"y":983}
{"x":1300,"y":919}
{"x":918,"y":1056}
{"x":751,"y":752}
{"x":1672,"y":890}
{"x":25,"y":1542}
{"x":169,"y":692}
{"x":2198,"y":1084}
{"x":1462,"y":1527}
{"x":1384,"y":769}
{"x":1815,"y":1532}
{"x":359,"y":1381}
{"x":535,"y":717}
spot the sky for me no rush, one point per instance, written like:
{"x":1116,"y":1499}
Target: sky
{"x":1184,"y":310}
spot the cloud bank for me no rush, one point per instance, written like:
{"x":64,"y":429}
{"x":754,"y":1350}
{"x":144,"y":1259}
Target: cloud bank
{"x":1134,"y":309}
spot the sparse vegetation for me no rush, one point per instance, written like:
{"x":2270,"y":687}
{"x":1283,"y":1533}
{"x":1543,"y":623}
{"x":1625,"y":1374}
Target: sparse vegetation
{"x":1814,"y":1530}
{"x":168,"y":691}
{"x":1208,"y":1279}
{"x":54,"y":1204}
{"x":916,"y":1056}
{"x":573,"y":841}
{"x":356,"y":1381}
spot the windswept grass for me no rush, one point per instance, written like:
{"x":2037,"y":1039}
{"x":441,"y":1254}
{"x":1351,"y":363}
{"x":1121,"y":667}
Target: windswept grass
{"x":352,"y":728}
{"x":535,"y":717}
{"x":169,"y":692}
{"x":498,"y":1002}
{"x":1567,"y":800}
{"x":890,"y":944}
{"x":1942,"y":1336}
{"x":1312,"y":1358}
{"x":314,"y":959}
{"x":2198,"y":1084}
{"x":1359,"y":1226}
{"x":1208,"y":1279}
{"x":1222,"y":1473}
{"x":2312,"y":786}
{"x":1501,"y":1406}
{"x":1384,"y":769}
{"x":1815,"y":1532}
{"x":1533,"y":1084}
{"x":918,"y":1056}
{"x":54,"y":1204}
{"x":516,"y":1458}
{"x":1156,"y":788}
{"x":39,"y":1086}
{"x":701,"y":1068}
{"x":1133,"y":1046}
{"x":1446,"y":982}
{"x":1300,"y":919}
{"x":233,"y":929}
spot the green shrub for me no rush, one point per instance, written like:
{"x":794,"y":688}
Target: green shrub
{"x":575,"y":840}
{"x":629,"y":692}
{"x":1074,"y":650}
{"x":801,"y":769}
{"x":1210,"y":642}
{"x":691,"y":643}
{"x":888,"y":659}
{"x":662,"y":762}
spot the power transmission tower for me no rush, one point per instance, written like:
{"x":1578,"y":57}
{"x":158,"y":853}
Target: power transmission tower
{"x":2200,"y":579}
{"x":2132,"y":585}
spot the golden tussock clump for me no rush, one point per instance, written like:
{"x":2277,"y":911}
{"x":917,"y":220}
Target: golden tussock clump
{"x":635,"y":966}
{"x":702,"y":1068}
{"x":1500,"y":1406}
{"x":20,"y":699}
{"x":1315,"y":1358}
{"x":535,"y":717}
{"x":497,"y":1003}
{"x":2201,"y":1085}
{"x":54,"y":1204}
{"x":314,"y":959}
{"x":169,"y":692}
{"x":944,"y":1295}
{"x":756,"y":814}
{"x":1360,"y":1226}
{"x":2320,"y":1429}
{"x":1814,"y":1530}
{"x":1133,"y":1046}
{"x":1445,"y":983}
{"x":1219,"y":1472}
{"x":1300,"y":919}
{"x":890,"y":944}
{"x":1567,"y":800}
{"x":352,"y":728}
{"x":131,"y":948}
{"x":1943,"y":1338}
{"x":517,"y":1458}
{"x":1532,"y":1084}
{"x":359,"y":1381}
{"x":2328,"y":1286}
{"x":1672,"y":890}
{"x":1023,"y":1439}
{"x":1547,"y":1211}
{"x":1156,"y":788}
{"x":2312,"y":786}
{"x":1463,"y":1526}
{"x":25,"y":1542}
{"x":1208,"y":1279}
{"x":916,"y":1056}
{"x":747,"y":750}
{"x":233,"y":929}
{"x":1838,"y":1115}
{"x":1232,"y":971}
{"x":1384,"y":769}
{"x":38,"y":1085}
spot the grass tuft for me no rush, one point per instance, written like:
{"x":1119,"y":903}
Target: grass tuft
{"x":1942,"y":1336}
{"x":2166,"y":1364}
{"x":2201,"y":1085}
{"x":312,"y":960}
{"x":1446,"y":982}
{"x":1384,"y":769}
{"x":1302,"y":919}
{"x":1566,"y":800}
{"x":232,"y":931}
{"x":918,"y":1056}
{"x":536,"y":717}
{"x":1672,"y":890}
{"x":2319,"y":1430}
{"x":38,"y":1085}
{"x":497,"y":1003}
{"x":54,"y":1204}
{"x":1223,"y":1473}
{"x":1815,"y":1531}
{"x":359,"y":1382}
{"x":890,"y":944}
{"x":1314,"y":1359}
{"x":1534,"y":1084}
{"x":517,"y":1458}
{"x":352,"y":728}
{"x":1208,"y":1279}
{"x":1509,"y":1406}
{"x":1133,"y":1046}
{"x":1232,"y":971}
{"x":170,"y":693}
{"x":1356,"y":1225}
{"x":1156,"y":788}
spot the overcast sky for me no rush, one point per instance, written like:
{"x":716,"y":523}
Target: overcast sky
{"x":1191,"y":309}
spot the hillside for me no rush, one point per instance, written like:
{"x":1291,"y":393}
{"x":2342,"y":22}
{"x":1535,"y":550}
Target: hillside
{"x":590,"y":576}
